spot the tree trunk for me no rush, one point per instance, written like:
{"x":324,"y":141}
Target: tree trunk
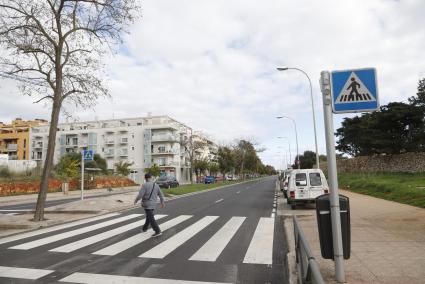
{"x":44,"y":184}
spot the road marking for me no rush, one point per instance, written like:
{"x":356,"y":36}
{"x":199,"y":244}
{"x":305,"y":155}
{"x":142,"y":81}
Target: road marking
{"x":55,"y":228}
{"x":260,"y":250}
{"x":238,"y":192}
{"x":23,"y":273}
{"x":219,"y":200}
{"x":11,"y":214}
{"x":91,"y":278}
{"x":166,"y":247}
{"x":72,"y":233}
{"x":139,"y":238}
{"x":212,"y":249}
{"x":102,"y":236}
{"x":15,"y":210}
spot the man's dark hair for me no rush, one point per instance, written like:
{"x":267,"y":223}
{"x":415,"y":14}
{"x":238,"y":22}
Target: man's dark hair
{"x":148,"y":175}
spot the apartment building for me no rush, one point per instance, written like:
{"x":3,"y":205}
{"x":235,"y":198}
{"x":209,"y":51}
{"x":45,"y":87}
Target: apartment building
{"x":210,"y":149}
{"x":15,"y":137}
{"x":142,"y":141}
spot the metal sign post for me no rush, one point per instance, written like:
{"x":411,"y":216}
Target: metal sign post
{"x":87,"y":155}
{"x":333,"y":181}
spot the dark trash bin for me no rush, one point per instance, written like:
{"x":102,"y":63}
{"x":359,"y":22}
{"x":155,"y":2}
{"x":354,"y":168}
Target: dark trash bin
{"x":323,"y":212}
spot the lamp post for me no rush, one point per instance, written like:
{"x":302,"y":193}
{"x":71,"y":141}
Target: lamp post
{"x":289,"y":144}
{"x":312,"y":107}
{"x":296,"y":135}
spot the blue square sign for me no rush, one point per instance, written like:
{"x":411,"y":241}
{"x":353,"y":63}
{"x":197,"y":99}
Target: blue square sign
{"x":354,"y":90}
{"x":88,"y":155}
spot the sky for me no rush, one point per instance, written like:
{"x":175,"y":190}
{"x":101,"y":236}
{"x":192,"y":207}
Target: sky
{"x":212,"y":65}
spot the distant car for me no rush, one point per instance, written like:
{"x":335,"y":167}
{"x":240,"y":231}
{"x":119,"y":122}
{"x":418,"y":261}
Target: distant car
{"x":305,"y":185}
{"x":229,"y":177}
{"x":209,"y":179}
{"x":167,"y":182}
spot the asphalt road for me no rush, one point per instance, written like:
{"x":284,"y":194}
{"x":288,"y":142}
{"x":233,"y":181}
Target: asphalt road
{"x":228,"y":235}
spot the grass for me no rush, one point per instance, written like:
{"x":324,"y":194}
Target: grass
{"x":183,"y":189}
{"x":399,"y":187}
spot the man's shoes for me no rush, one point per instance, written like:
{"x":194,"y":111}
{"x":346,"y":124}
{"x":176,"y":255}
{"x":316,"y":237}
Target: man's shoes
{"x":156,"y":234}
{"x":144,"y":230}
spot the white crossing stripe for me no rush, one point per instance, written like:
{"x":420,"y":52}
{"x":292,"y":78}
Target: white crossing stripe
{"x":23,"y":273}
{"x":72,"y":233}
{"x":102,"y":236}
{"x":212,"y":249}
{"x":260,"y":250}
{"x":90,"y":278}
{"x":166,"y":247}
{"x":55,"y":228}
{"x":139,"y":238}
{"x":219,"y":200}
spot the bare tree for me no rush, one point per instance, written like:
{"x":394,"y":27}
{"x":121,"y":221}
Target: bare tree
{"x":192,"y":146}
{"x":54,"y":49}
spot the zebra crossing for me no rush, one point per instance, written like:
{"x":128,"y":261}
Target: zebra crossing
{"x":128,"y":235}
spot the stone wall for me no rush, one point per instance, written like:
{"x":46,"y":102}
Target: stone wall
{"x":16,"y":188}
{"x":408,"y":163}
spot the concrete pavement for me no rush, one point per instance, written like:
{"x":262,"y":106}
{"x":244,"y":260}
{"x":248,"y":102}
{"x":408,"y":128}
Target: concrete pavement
{"x":387,"y":240}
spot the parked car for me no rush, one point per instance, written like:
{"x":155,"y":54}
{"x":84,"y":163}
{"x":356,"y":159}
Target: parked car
{"x":229,"y":177}
{"x":167,"y":182}
{"x":284,"y":186}
{"x":305,"y":185}
{"x":209,"y":179}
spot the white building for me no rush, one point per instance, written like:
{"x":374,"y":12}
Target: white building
{"x":210,"y":149}
{"x":141,"y":141}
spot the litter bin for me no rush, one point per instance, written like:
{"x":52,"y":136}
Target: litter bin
{"x":323,"y":212}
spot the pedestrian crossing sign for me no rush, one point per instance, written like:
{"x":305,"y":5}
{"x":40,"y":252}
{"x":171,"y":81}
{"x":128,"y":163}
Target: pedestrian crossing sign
{"x":88,"y":155}
{"x":354,"y":90}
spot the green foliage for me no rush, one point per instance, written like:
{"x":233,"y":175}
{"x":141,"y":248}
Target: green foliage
{"x":226,"y":159}
{"x":68,"y":166}
{"x":200,"y":165}
{"x":5,"y":172}
{"x":154,"y":170}
{"x":307,"y":160}
{"x":123,"y":168}
{"x":98,"y":162}
{"x":213,"y":168}
{"x":399,"y":187}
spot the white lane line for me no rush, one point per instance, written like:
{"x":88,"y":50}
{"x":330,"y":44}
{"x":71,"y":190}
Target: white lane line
{"x":55,"y":228}
{"x":219,"y":200}
{"x":11,"y":214}
{"x":139,"y":238}
{"x":72,"y":233}
{"x":260,"y":250}
{"x":166,"y":247}
{"x":238,"y":192}
{"x":102,"y":236}
{"x":15,"y":210}
{"x":90,"y":278}
{"x":212,"y":249}
{"x":23,"y":273}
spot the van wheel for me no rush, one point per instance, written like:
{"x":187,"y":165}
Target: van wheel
{"x":293,"y":206}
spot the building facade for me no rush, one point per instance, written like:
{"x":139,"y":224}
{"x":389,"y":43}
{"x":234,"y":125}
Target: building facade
{"x":15,"y":138}
{"x":141,"y":141}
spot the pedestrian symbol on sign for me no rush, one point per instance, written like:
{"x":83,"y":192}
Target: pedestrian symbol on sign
{"x":354,"y":91}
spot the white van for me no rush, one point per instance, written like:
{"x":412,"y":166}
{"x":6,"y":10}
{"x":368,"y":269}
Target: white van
{"x":305,"y":185}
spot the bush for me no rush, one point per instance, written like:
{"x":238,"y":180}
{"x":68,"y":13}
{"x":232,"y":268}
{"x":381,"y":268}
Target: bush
{"x":5,"y":172}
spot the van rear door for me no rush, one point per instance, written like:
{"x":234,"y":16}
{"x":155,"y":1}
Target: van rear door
{"x":316,"y":184}
{"x":301,"y":187}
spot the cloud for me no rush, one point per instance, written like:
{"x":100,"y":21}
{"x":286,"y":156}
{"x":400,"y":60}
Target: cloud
{"x":212,"y":64}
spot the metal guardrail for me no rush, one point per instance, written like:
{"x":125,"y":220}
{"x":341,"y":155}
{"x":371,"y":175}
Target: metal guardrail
{"x":307,"y":266}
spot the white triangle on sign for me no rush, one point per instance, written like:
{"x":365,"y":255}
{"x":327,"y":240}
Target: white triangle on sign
{"x":88,"y":155}
{"x":354,"y":91}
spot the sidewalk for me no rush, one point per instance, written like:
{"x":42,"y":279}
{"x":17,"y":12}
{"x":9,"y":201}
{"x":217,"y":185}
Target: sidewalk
{"x":387,"y":240}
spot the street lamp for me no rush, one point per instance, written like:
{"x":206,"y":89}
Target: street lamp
{"x":296,"y":135}
{"x":284,"y":137}
{"x":312,"y":107}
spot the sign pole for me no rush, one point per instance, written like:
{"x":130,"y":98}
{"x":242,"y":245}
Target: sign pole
{"x":333,"y":181}
{"x":82,"y":175}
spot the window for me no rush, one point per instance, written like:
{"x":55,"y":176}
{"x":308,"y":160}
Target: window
{"x":301,"y":179}
{"x":315,"y":179}
{"x":132,"y":148}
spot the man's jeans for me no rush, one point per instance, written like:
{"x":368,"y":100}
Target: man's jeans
{"x":150,"y":220}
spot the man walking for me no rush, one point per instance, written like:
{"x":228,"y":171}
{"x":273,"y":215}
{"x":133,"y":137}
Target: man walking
{"x":148,"y":194}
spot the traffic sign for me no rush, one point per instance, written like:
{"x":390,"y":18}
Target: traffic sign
{"x":354,"y":90}
{"x":88,"y":155}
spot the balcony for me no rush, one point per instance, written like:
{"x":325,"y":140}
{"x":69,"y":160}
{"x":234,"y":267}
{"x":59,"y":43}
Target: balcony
{"x":12,"y":147}
{"x":83,"y":143}
{"x":169,"y":165}
{"x":165,"y":152}
{"x":109,"y":154}
{"x":123,"y":153}
{"x":37,"y":145}
{"x":109,"y":142}
{"x":164,"y":138}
